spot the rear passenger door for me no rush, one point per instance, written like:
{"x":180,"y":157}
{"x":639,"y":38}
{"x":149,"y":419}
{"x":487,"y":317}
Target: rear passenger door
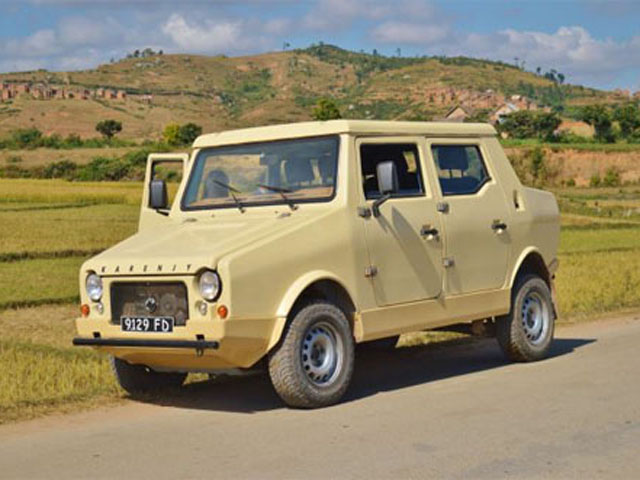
{"x":475,"y":216}
{"x":405,"y":260}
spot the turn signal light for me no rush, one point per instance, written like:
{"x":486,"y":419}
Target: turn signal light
{"x":84,"y":310}
{"x":223,"y":311}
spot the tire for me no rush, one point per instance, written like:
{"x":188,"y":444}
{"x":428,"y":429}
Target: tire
{"x":526,"y":333}
{"x":139,"y":380}
{"x":313,"y":364}
{"x":385,"y":344}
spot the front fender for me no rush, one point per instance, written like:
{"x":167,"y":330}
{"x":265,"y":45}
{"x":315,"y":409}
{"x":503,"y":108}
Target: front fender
{"x":293,"y":293}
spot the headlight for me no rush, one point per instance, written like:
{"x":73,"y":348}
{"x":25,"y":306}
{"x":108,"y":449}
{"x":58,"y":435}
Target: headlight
{"x":209,"y":285}
{"x":94,"y":287}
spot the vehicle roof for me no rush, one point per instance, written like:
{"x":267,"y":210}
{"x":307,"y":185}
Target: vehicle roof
{"x":333,"y":127}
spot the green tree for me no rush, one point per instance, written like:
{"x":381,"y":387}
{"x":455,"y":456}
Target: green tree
{"x":628,"y":117}
{"x":326,"y":109}
{"x":109,"y":128}
{"x":531,"y":124}
{"x":188,"y":132}
{"x":599,"y":117}
{"x":171,"y":134}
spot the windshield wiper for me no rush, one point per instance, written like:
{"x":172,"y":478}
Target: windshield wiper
{"x":282,"y":192}
{"x":231,"y":191}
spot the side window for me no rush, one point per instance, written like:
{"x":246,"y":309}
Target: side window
{"x":404,"y":155}
{"x":461,"y":170}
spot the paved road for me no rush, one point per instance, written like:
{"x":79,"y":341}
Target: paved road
{"x":447,"y":411}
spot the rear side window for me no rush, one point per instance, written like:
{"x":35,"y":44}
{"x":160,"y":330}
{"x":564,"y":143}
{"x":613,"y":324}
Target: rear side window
{"x":404,"y":155}
{"x":461,"y":170}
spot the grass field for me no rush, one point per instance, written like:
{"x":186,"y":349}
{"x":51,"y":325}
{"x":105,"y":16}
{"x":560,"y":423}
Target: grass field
{"x":50,"y":227}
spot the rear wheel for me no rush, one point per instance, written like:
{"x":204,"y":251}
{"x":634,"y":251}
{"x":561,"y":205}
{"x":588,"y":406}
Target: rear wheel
{"x":526,"y":333}
{"x":313,"y":364}
{"x":139,"y":379}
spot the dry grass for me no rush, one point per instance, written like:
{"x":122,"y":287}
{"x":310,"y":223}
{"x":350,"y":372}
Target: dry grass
{"x":41,"y":371}
{"x":61,"y":191}
{"x":590,"y":282}
{"x":64,"y":231}
{"x":34,"y":282}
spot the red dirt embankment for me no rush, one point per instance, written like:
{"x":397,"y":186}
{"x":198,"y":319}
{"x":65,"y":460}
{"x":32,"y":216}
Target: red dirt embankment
{"x":581,"y":165}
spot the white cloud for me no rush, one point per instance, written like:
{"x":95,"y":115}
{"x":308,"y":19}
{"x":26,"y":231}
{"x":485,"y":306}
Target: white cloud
{"x":331,"y":15}
{"x":570,"y":49}
{"x":399,"y":33}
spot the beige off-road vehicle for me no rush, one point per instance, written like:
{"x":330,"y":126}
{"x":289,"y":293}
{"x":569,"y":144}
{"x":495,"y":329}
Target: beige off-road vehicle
{"x":290,"y":244}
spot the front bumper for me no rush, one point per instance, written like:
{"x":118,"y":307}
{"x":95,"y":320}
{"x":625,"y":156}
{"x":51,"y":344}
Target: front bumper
{"x":201,"y":345}
{"x":198,"y":345}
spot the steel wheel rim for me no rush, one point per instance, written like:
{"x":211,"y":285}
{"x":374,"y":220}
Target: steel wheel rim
{"x":321,"y":354}
{"x":536,"y":318}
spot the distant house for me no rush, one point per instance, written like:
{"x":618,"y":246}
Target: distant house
{"x":6,"y":94}
{"x":121,"y":95}
{"x":147,"y":98}
{"x":504,"y":110}
{"x":100,"y":93}
{"x":457,"y":114}
{"x":22,"y":88}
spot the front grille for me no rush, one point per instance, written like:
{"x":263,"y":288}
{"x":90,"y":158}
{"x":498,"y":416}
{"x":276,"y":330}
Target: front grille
{"x":149,"y":299}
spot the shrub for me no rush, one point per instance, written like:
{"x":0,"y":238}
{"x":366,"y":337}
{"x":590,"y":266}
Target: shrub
{"x":171,"y":134}
{"x":103,"y":168}
{"x":571,"y":182}
{"x":26,"y":137}
{"x":611,"y":177}
{"x":60,"y":169}
{"x":177,"y":135}
{"x":188,"y":132}
{"x":595,"y":181}
{"x":14,"y":159}
{"x":325,"y":109}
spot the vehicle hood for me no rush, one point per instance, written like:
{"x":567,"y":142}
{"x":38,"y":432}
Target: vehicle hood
{"x":180,"y":248}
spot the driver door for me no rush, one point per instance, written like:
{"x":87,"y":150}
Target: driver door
{"x":406,"y":262}
{"x":170,"y":167}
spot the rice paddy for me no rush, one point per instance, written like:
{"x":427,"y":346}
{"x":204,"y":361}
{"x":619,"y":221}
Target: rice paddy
{"x":49,"y":228}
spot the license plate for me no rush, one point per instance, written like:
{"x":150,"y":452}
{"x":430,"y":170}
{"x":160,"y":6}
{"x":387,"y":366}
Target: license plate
{"x":147,"y":324}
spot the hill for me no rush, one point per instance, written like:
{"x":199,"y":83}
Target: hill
{"x":224,"y":92}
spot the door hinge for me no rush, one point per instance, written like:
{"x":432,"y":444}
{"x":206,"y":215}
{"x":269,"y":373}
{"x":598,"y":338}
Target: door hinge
{"x":364,"y":212}
{"x":371,"y":271}
{"x":448,"y":262}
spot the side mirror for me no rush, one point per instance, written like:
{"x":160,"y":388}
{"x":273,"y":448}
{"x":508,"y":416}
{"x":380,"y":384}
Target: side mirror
{"x":158,"y":197}
{"x":387,"y":184}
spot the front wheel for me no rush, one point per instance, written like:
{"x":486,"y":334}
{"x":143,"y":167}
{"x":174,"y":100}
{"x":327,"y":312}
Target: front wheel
{"x":313,"y":364}
{"x":139,"y":379}
{"x":526,"y":333}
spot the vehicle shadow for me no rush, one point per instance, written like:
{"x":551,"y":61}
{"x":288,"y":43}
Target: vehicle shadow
{"x":375,"y":372}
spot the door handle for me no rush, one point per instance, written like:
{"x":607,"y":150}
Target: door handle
{"x":498,"y":226}
{"x":429,"y":232}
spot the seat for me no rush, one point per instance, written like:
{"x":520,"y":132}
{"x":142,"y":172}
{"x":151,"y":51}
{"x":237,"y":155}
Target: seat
{"x":455,"y":158}
{"x":298,"y":170}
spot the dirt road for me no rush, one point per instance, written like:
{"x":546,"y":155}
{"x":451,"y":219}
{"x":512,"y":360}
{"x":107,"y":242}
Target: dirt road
{"x":456,"y":411}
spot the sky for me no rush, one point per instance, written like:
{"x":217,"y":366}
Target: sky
{"x":593,"y":42}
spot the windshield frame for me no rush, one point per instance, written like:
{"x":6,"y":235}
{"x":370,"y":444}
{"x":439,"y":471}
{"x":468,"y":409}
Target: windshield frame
{"x":275,"y":201}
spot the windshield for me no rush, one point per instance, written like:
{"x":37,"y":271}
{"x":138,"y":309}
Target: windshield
{"x":291,"y":171}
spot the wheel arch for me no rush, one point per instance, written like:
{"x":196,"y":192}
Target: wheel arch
{"x":531,"y":261}
{"x":314,"y":285}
